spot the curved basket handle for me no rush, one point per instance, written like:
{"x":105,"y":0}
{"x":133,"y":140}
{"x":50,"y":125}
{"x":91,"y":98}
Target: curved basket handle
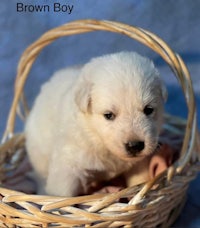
{"x":145,"y":37}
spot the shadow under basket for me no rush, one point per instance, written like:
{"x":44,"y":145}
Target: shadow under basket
{"x":153,"y":204}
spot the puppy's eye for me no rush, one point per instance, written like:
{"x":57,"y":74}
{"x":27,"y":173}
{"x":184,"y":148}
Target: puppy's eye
{"x":109,"y":116}
{"x":148,"y":110}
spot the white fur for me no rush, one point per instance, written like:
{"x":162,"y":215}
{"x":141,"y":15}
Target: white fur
{"x":69,"y":141}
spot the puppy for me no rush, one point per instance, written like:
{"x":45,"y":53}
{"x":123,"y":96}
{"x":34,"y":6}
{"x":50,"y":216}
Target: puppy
{"x":94,"y":122}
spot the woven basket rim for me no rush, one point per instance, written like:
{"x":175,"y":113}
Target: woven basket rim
{"x":187,"y":152}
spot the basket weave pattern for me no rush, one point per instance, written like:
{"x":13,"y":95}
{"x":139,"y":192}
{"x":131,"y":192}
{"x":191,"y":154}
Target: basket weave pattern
{"x":154,"y":204}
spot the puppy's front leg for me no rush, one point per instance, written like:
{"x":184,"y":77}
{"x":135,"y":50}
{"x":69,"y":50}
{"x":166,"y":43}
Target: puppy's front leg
{"x":138,"y":174}
{"x":63,"y":178}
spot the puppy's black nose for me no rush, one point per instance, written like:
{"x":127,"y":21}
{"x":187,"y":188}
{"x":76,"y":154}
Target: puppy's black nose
{"x":134,"y":147}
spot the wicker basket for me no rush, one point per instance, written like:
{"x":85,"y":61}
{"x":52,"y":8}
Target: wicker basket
{"x":154,"y":204}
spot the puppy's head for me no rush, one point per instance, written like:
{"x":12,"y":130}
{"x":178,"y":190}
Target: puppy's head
{"x":122,"y":97}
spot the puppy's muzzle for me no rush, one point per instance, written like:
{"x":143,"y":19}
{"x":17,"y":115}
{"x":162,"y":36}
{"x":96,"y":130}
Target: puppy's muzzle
{"x":134,"y":148}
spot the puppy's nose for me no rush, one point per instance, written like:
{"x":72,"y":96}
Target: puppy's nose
{"x":134,"y":147}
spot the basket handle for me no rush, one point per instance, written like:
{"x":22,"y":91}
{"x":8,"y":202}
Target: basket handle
{"x":143,"y":36}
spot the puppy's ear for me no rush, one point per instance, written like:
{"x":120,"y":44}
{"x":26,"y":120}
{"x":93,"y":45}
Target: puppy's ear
{"x":162,"y":88}
{"x":83,"y":96}
{"x":164,"y":92}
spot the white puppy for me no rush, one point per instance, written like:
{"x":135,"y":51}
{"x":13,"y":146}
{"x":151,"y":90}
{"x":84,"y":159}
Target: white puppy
{"x":94,"y":122}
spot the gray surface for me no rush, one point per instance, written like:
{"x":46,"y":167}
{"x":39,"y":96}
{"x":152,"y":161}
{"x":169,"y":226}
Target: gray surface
{"x":177,"y":22}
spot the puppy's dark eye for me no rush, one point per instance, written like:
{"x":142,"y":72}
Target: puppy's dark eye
{"x":109,"y":116}
{"x":148,"y":110}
